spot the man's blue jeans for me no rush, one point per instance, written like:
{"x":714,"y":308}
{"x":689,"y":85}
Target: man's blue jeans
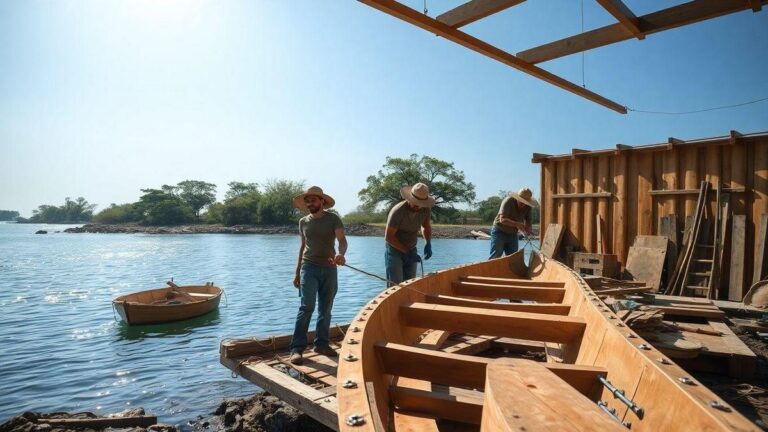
{"x":318,"y":284}
{"x":397,"y":269}
{"x":502,"y":242}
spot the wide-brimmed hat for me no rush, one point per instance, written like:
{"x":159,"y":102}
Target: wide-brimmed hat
{"x":298,"y":200}
{"x":417,"y":194}
{"x":525,"y":196}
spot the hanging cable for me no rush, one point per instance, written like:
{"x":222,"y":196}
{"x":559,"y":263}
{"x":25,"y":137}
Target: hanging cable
{"x":583,"y":53}
{"x":697,"y":111}
{"x":426,"y":11}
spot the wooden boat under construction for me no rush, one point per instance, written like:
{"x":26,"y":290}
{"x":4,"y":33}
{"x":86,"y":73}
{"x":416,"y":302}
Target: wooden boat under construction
{"x":173,"y":303}
{"x":598,"y":374}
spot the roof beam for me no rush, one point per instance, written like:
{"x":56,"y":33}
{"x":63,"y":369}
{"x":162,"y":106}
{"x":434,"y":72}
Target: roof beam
{"x":474,"y":10}
{"x":621,"y":12}
{"x":676,"y":16}
{"x":438,"y":28}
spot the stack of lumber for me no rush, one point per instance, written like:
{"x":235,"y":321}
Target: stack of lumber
{"x":692,"y":331}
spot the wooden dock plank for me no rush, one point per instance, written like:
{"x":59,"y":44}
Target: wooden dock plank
{"x":313,"y":402}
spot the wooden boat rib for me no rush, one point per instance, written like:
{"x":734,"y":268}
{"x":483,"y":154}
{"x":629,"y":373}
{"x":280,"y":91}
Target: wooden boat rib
{"x":152,"y":306}
{"x":599,"y":374}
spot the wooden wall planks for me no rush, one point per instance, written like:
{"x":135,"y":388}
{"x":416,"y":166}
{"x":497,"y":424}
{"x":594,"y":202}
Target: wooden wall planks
{"x":631,"y":174}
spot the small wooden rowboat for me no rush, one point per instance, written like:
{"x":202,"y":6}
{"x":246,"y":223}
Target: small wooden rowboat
{"x":174,"y":303}
{"x":599,"y":374}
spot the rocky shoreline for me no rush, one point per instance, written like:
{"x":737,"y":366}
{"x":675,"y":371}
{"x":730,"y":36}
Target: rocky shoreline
{"x":438,"y":231}
{"x":259,"y":413}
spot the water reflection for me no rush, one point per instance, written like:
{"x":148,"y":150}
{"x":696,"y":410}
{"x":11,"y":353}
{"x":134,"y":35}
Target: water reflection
{"x":139,"y":332}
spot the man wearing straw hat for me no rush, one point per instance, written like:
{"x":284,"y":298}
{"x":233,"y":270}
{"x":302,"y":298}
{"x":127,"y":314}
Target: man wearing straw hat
{"x":404,"y":222}
{"x":316,"y":270}
{"x":514,"y":214}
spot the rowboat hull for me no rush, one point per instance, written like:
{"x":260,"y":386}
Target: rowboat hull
{"x":138,"y":308}
{"x":392,"y":375}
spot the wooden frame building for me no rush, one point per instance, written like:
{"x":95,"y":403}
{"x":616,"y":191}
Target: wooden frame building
{"x":633,"y":188}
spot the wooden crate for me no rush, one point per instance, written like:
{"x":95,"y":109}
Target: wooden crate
{"x":606,"y":265}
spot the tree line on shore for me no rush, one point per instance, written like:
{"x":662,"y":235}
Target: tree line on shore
{"x":270,"y":203}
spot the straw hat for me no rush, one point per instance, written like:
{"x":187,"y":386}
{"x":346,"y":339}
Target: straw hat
{"x":417,"y":194}
{"x":525,"y":196}
{"x":298,"y":200}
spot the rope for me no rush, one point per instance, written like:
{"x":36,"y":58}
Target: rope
{"x":393,"y":284}
{"x":343,"y":333}
{"x":697,"y":111}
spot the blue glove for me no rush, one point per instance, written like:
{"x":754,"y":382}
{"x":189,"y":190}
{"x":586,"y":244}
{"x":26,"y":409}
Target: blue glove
{"x":428,"y":250}
{"x":412,"y":257}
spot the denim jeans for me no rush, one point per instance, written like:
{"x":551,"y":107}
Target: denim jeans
{"x":319,"y":284}
{"x":502,"y":242}
{"x":397,"y":269}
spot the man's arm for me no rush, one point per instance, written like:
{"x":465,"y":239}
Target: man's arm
{"x":342,"y":239}
{"x":297,"y":276}
{"x":509,"y":222}
{"x":426,"y":230}
{"x":390,"y":238}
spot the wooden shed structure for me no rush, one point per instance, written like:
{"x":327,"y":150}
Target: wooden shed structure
{"x":633,"y":187}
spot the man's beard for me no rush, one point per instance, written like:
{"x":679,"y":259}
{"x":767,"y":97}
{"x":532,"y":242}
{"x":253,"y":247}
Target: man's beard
{"x":313,"y":209}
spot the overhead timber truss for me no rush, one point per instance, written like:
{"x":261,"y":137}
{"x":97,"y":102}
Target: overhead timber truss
{"x":629,"y":26}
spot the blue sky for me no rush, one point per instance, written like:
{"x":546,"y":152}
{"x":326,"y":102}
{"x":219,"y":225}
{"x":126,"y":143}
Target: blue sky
{"x":102,"y":98}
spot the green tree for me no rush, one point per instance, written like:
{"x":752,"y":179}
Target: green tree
{"x":446,"y":183}
{"x":79,"y":210}
{"x":159,"y":207}
{"x":115,"y":214}
{"x":488,"y":208}
{"x":276,"y":204}
{"x":8,"y":215}
{"x":197,"y":194}
{"x":214,"y":214}
{"x":239,"y":189}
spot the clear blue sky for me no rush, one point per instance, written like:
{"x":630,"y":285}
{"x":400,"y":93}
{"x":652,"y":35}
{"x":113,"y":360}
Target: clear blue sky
{"x":101,"y":98}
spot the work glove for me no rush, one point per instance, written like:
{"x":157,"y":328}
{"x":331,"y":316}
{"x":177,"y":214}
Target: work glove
{"x":428,"y":250}
{"x":412,"y":257}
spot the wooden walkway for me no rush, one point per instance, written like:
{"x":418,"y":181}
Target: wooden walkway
{"x":311,"y":387}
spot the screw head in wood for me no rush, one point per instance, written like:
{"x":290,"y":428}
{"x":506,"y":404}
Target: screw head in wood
{"x":352,"y":341}
{"x":664,"y":361}
{"x":350,"y":357}
{"x":349,"y":384}
{"x":718,"y":406}
{"x":686,"y":380}
{"x":355,"y":420}
{"x":355,"y":329}
{"x":644,"y":347}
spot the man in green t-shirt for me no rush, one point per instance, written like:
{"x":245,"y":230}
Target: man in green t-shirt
{"x":316,"y":276}
{"x":514,"y":214}
{"x":404,"y":222}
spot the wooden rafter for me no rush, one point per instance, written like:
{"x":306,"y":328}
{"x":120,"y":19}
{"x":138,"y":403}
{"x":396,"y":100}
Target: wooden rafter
{"x":676,"y":16}
{"x":621,"y":12}
{"x":474,"y":10}
{"x":398,"y":10}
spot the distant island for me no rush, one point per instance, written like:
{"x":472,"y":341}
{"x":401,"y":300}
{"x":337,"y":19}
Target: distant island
{"x":8,"y":215}
{"x":353,"y":229}
{"x":193,"y":203}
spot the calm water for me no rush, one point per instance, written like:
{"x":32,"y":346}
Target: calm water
{"x":61,"y":348}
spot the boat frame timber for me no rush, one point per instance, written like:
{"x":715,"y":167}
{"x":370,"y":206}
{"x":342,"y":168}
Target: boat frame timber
{"x":401,"y":383}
